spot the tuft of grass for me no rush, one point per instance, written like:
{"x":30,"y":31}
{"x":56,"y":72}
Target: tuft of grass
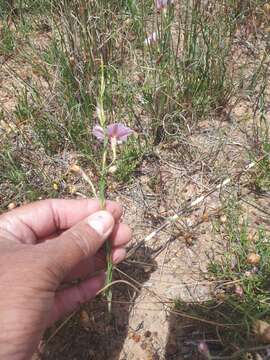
{"x":131,"y":156}
{"x":260,"y":144}
{"x":12,"y":170}
{"x":187,"y":74}
{"x":8,"y":40}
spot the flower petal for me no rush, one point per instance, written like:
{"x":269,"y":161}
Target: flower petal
{"x":112,"y":130}
{"x":98,"y":132}
{"x":160,"y":4}
{"x":119,"y":131}
{"x":124,"y":132}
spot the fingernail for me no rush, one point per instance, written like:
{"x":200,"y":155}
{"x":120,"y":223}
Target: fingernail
{"x":102,"y":222}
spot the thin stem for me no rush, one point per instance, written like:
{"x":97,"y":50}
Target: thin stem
{"x":102,"y":185}
{"x":102,"y":199}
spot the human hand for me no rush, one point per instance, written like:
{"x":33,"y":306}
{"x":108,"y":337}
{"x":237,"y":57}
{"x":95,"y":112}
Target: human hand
{"x":42,"y":246}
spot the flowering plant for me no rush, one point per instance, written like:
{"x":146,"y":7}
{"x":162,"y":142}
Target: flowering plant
{"x":110,"y":136}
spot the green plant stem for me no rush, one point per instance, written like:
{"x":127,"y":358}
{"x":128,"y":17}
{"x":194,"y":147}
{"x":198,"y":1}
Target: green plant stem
{"x":102,"y":200}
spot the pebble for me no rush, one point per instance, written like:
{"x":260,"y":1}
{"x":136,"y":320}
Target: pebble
{"x":84,"y":318}
{"x":11,"y":206}
{"x":223,"y":219}
{"x":253,"y":259}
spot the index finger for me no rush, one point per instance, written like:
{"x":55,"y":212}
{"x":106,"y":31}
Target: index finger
{"x":47,"y":217}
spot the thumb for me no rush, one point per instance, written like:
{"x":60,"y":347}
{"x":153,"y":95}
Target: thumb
{"x":79,"y":242}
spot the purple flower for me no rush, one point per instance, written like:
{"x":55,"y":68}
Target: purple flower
{"x":117,"y":133}
{"x":161,"y":4}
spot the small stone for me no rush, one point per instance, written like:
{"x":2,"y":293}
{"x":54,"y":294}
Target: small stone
{"x":223,"y":219}
{"x":262,"y":331}
{"x":266,"y":8}
{"x":112,"y":169}
{"x":75,"y":168}
{"x":253,"y":259}
{"x":11,"y":206}
{"x":84,"y":319}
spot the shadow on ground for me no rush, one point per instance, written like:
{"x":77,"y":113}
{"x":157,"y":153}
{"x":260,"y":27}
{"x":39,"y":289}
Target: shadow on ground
{"x":183,"y":338}
{"x":219,"y":329}
{"x":91,"y":333}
